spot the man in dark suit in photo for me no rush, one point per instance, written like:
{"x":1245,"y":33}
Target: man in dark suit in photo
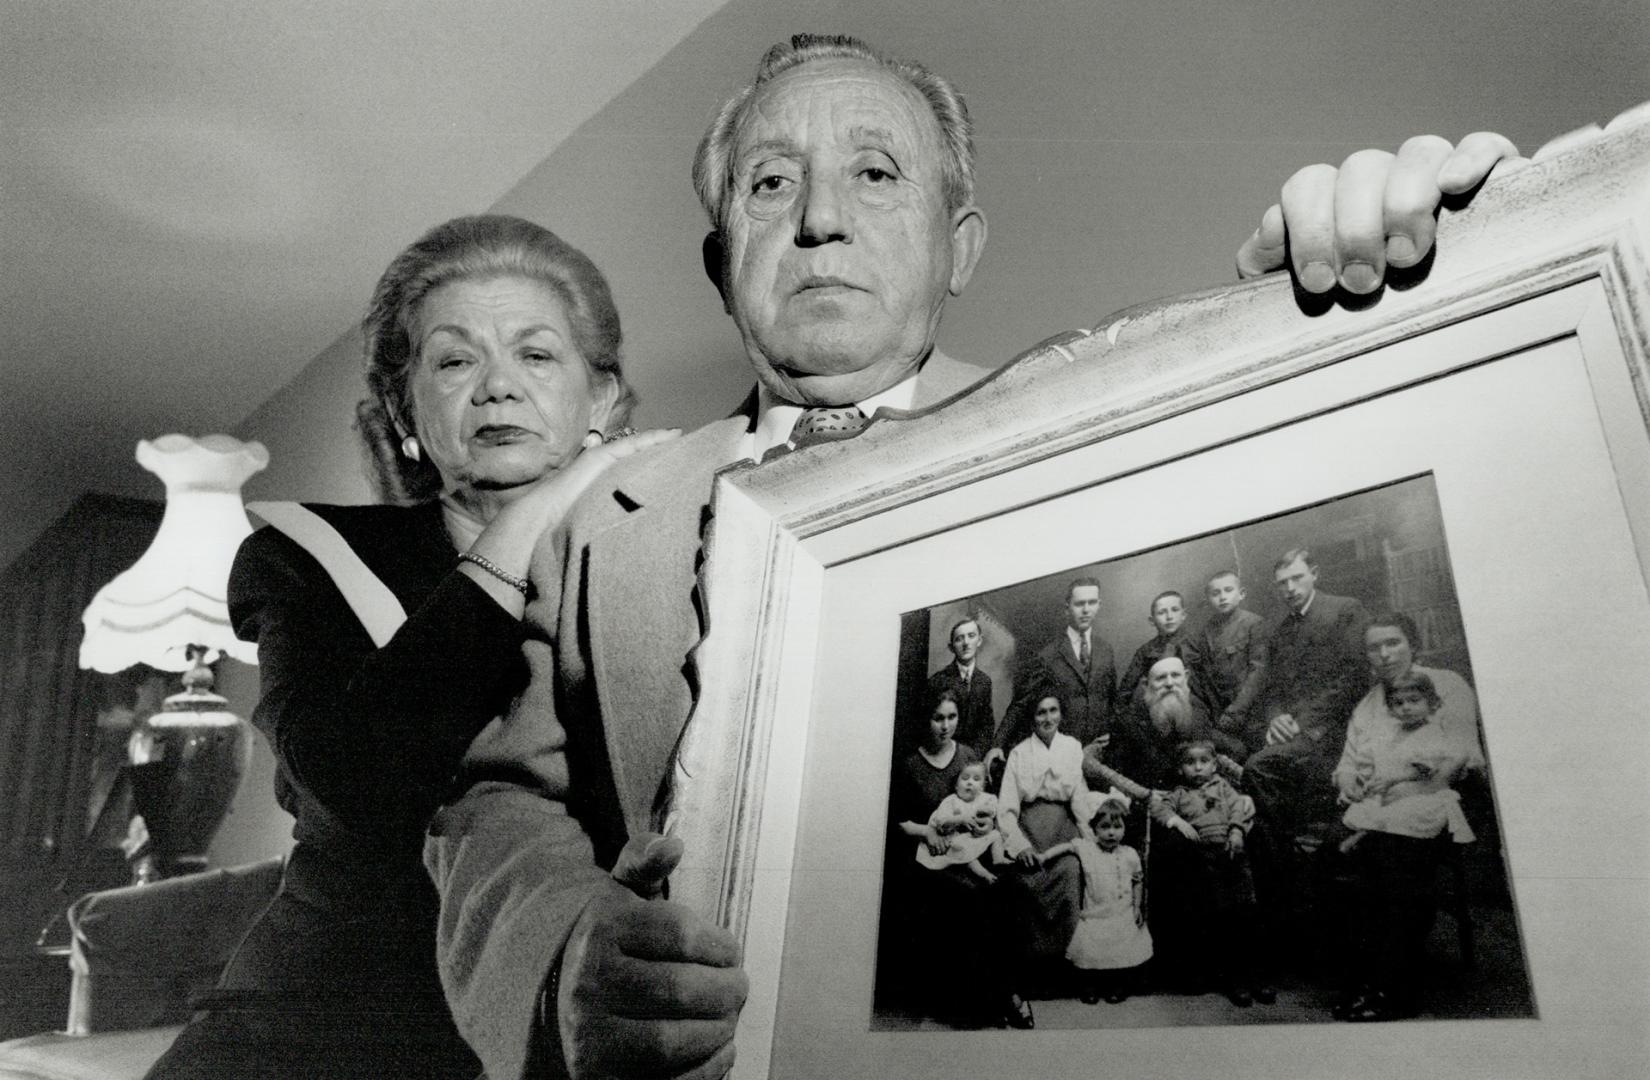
{"x":1315,"y":674}
{"x":1081,"y":666}
{"x":971,"y":686}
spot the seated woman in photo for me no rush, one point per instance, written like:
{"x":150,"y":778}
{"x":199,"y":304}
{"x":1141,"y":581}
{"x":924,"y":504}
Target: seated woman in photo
{"x":1400,"y":805}
{"x":946,"y":922}
{"x":1043,"y":774}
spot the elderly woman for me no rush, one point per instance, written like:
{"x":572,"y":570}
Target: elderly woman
{"x":390,"y":635}
{"x":945,"y":951}
{"x":1043,"y":773}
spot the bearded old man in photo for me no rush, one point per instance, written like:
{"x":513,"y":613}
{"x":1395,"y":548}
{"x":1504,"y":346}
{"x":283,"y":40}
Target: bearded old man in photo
{"x":1143,"y":745}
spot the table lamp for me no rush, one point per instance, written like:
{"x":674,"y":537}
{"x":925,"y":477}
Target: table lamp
{"x":170,"y":611}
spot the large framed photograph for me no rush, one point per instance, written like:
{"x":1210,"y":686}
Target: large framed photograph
{"x":1352,"y":605}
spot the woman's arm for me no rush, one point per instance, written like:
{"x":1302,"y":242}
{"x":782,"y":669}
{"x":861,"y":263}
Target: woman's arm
{"x":938,"y":843}
{"x":945,"y":818}
{"x":1008,"y":808}
{"x":1048,"y":854}
{"x":1355,"y":761}
{"x":508,"y":541}
{"x":373,"y":735}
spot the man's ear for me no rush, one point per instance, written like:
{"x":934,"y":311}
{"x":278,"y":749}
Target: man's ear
{"x":714,"y":256}
{"x":968,"y":232}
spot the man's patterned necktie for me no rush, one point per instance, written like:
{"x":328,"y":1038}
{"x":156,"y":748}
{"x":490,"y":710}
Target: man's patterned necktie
{"x":819,"y":425}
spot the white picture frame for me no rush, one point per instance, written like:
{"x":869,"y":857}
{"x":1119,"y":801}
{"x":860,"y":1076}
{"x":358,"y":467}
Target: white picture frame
{"x":1514,"y":371}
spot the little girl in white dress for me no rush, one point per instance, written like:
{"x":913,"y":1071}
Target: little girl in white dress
{"x":1111,"y":940}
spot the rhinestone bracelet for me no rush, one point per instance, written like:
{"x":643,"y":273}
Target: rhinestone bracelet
{"x":517,"y":583}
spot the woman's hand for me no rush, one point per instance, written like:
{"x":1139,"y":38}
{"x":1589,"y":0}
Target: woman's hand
{"x":938,"y":843}
{"x":508,"y":540}
{"x":543,"y":506}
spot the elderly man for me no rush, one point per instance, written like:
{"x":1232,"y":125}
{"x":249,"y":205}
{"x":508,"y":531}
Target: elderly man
{"x":1142,"y":746}
{"x":840,"y":187}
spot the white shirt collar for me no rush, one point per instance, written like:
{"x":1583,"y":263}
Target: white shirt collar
{"x":965,"y":670}
{"x":1077,"y":637}
{"x":776,"y":418}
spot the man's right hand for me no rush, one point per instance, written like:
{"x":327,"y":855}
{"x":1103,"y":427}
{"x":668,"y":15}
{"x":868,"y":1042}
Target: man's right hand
{"x":647,"y":986}
{"x":1282,"y":729}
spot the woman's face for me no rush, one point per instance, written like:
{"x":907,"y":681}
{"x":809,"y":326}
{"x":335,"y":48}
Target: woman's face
{"x":942,"y":725}
{"x":500,"y":395}
{"x":1046,"y":720}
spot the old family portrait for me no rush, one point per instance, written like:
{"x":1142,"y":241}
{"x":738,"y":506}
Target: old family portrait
{"x":1238,"y":779}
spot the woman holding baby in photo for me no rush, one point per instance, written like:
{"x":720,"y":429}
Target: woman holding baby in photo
{"x":944,"y":897}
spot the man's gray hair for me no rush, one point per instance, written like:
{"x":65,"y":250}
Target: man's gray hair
{"x":713,"y":161}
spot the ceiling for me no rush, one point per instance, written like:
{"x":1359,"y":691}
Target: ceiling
{"x":195,"y":195}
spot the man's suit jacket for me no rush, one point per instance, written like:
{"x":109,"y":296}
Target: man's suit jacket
{"x":1086,"y":697}
{"x":1315,"y":667}
{"x":976,"y":723}
{"x":583,"y":759}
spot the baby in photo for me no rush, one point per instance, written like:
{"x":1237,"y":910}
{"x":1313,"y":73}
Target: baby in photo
{"x":968,"y":817}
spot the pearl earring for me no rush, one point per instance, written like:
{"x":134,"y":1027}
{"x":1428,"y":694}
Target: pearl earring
{"x":592,"y":438}
{"x":409,"y":447}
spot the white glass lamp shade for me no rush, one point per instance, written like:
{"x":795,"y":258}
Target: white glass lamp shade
{"x":175,"y":595}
